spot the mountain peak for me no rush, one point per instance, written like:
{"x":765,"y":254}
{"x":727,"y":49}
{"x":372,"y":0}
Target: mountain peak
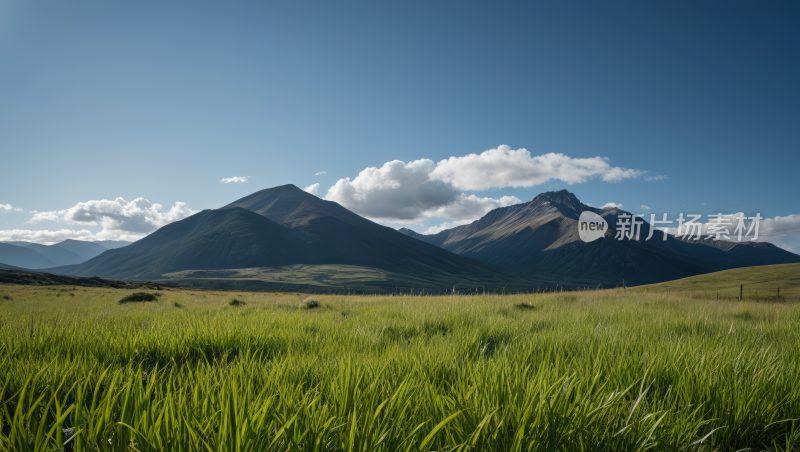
{"x":563,"y":197}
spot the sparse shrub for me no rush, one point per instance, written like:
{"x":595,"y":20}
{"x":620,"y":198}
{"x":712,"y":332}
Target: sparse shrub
{"x":71,"y":294}
{"x":176,"y":304}
{"x":237,"y":302}
{"x":139,"y":297}
{"x":525,"y":306}
{"x":6,"y":297}
{"x":310,"y":303}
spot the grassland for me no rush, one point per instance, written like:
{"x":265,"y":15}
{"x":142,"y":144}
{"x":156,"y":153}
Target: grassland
{"x":760,"y":283}
{"x":583,"y":371}
{"x":342,"y":279}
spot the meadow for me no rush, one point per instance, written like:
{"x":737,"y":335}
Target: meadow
{"x":610,"y":370}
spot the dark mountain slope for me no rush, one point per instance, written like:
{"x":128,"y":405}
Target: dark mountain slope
{"x":339,"y":236}
{"x":22,"y":256}
{"x":211,"y":239}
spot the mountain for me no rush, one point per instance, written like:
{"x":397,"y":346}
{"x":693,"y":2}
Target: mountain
{"x":338,"y":236}
{"x":17,"y":243}
{"x":540,"y":239}
{"x":22,"y":256}
{"x":86,"y":250}
{"x":208,"y":240}
{"x":763,"y":253}
{"x":57,"y":254}
{"x":273,"y":231}
{"x":113,"y":244}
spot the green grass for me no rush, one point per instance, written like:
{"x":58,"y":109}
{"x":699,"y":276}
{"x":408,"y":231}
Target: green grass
{"x":582,"y":371}
{"x":760,"y":283}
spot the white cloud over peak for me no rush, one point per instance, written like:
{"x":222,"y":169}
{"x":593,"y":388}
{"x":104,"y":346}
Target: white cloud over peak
{"x":234,"y":180}
{"x":321,"y":173}
{"x":610,"y":205}
{"x":313,"y":189}
{"x":505,"y":167}
{"x":119,"y":218}
{"x":645,"y":208}
{"x":9,"y":208}
{"x":405,"y":192}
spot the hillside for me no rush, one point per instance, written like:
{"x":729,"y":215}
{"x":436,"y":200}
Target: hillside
{"x":211,"y":239}
{"x":766,"y":279}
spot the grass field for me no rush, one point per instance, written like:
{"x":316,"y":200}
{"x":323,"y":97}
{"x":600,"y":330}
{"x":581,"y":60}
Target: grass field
{"x":759,"y":283}
{"x":582,"y":371}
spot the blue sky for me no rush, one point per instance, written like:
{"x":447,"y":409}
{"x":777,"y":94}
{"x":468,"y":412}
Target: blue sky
{"x":162,"y":100}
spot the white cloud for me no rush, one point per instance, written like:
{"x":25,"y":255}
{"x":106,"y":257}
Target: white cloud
{"x":321,"y":173}
{"x":405,"y":192}
{"x":644,"y":207}
{"x":445,"y":226}
{"x":313,"y":189}
{"x":9,"y":208}
{"x":656,"y":177}
{"x":505,"y":167}
{"x":118,"y":217}
{"x":51,"y":237}
{"x":610,"y":205}
{"x":234,"y":180}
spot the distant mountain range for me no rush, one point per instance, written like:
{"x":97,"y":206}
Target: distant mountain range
{"x":285,"y":237}
{"x":540,"y":239}
{"x":69,"y":252}
{"x":286,"y":226}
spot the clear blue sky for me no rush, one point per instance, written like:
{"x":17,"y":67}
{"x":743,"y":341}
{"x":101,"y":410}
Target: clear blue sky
{"x":162,"y":100}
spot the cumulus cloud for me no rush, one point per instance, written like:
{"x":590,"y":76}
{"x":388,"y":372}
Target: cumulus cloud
{"x":321,"y":173}
{"x":234,"y":180}
{"x":644,"y":208}
{"x":9,"y":208}
{"x":313,"y":189}
{"x":610,"y":205}
{"x":505,"y":167}
{"x":118,"y":217}
{"x":655,"y":177}
{"x":405,"y":192}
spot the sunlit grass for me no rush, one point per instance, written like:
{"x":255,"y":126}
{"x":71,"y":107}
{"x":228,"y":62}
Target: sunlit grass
{"x":607,"y":370}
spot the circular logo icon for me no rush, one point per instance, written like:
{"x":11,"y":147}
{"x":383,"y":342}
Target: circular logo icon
{"x":591,"y":226}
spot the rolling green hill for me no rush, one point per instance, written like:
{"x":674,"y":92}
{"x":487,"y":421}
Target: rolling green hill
{"x":762,"y":281}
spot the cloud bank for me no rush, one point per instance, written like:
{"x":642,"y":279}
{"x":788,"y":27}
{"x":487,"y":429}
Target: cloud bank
{"x":120,"y":219}
{"x":405,"y":192}
{"x":505,"y":167}
{"x":313,"y":189}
